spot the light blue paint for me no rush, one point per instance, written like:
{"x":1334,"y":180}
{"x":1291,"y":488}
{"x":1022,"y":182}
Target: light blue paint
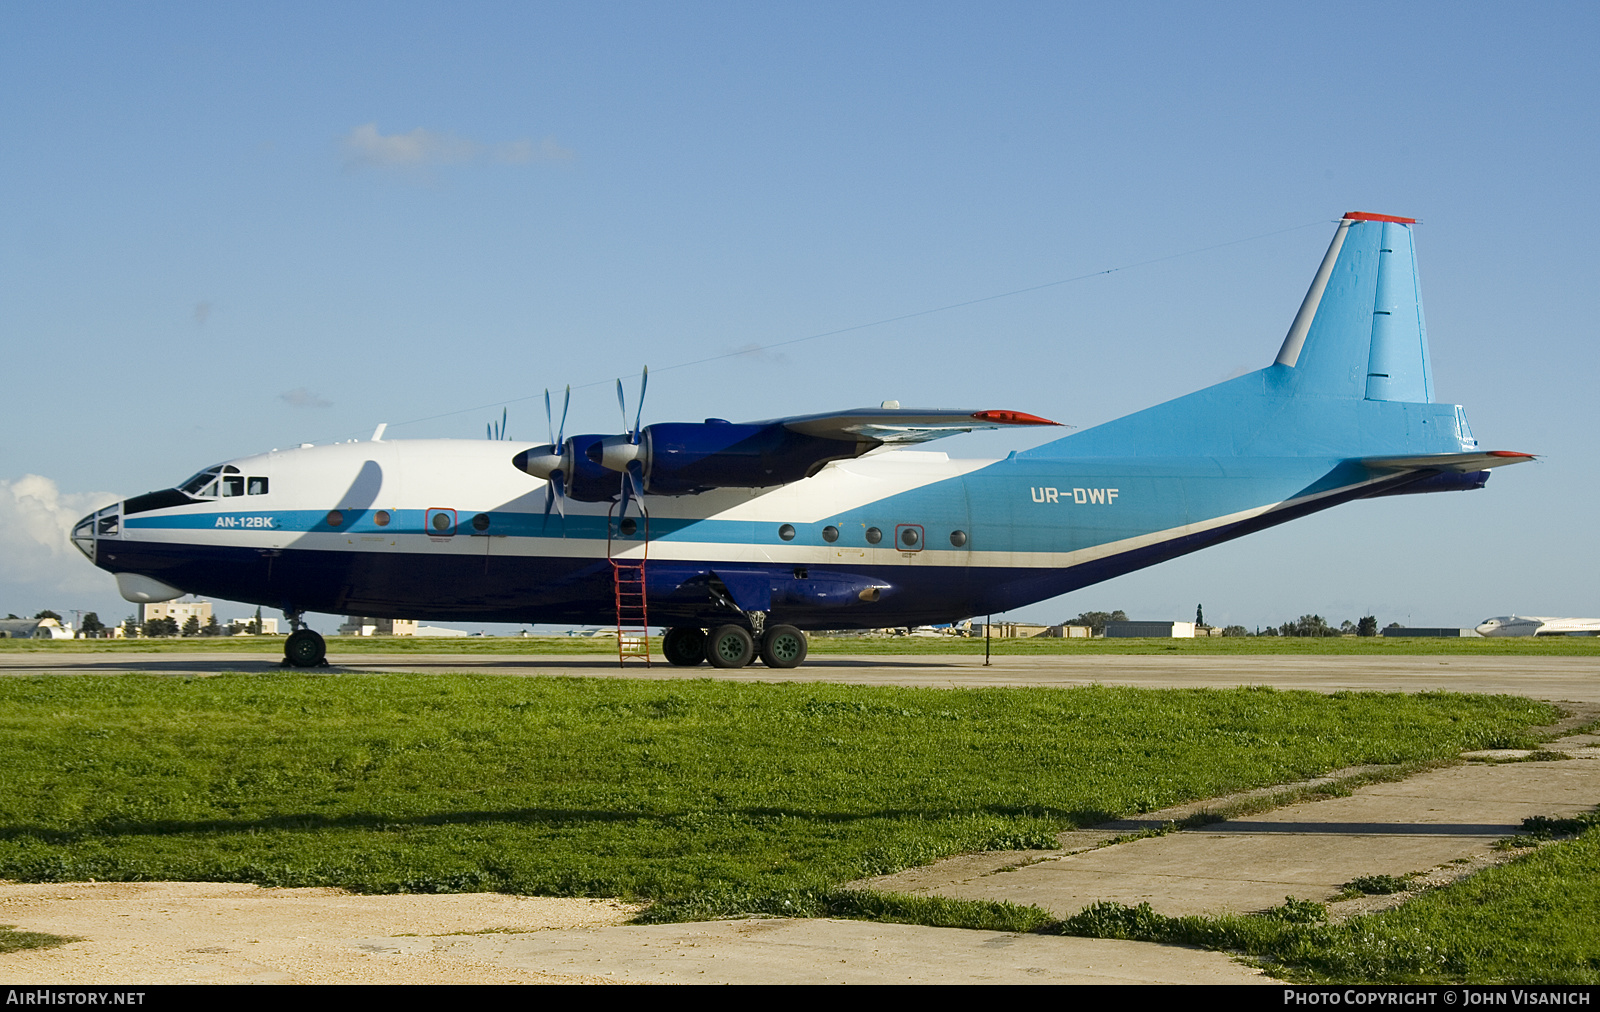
{"x":1397,"y":367}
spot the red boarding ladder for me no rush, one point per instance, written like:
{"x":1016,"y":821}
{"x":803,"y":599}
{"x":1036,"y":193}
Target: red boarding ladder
{"x":633,"y":621}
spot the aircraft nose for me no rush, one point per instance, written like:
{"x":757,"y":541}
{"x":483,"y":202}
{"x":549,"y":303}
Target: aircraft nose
{"x":102,"y":523}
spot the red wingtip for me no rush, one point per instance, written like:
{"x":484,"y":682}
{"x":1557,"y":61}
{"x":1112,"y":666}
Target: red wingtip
{"x":1510,"y":453}
{"x":1369,"y":216}
{"x":1012,"y":418}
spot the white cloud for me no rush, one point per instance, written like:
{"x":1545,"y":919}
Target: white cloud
{"x":365,"y":147}
{"x":300,"y":397}
{"x":37,"y":560}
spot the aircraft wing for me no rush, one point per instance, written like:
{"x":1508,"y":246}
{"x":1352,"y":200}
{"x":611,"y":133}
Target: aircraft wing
{"x":901,"y":425}
{"x":1458,"y":463}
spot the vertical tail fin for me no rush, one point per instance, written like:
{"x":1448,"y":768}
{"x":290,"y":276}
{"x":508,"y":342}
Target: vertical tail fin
{"x":1360,"y":331}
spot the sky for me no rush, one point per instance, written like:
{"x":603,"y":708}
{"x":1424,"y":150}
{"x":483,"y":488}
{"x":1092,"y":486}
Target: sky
{"x":236,"y":227}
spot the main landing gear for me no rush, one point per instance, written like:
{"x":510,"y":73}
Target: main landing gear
{"x":304,"y":648}
{"x":733,"y":646}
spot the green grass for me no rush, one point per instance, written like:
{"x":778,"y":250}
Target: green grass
{"x":707,"y":797}
{"x":1244,"y":646}
{"x":910,"y":646}
{"x":12,"y":940}
{"x":1531,"y":921}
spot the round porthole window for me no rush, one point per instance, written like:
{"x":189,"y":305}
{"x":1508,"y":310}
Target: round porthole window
{"x":381,"y":518}
{"x":786,"y":532}
{"x":958,"y":538}
{"x":480,"y":522}
{"x":874,"y":535}
{"x":830,"y":534}
{"x":628,"y":526}
{"x":909,"y":537}
{"x":335,"y":518}
{"x":441,"y":521}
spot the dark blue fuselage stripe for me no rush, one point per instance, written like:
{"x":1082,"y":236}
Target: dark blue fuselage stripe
{"x":491,"y":588}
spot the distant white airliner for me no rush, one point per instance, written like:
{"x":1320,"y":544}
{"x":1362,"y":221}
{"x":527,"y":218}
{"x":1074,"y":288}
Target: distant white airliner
{"x":1527,"y":625}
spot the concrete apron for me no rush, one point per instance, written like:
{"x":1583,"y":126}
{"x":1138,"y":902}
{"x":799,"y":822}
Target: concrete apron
{"x":1444,"y":822}
{"x":1443,"y":819}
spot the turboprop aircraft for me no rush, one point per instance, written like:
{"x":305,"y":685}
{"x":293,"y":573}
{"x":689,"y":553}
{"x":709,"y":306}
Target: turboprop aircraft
{"x":738,"y":537}
{"x":1528,"y":625}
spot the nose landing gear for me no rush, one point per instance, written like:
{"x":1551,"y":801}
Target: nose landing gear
{"x":304,"y":648}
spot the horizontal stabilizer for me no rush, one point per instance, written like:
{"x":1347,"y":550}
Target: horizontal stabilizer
{"x":1461,"y":463}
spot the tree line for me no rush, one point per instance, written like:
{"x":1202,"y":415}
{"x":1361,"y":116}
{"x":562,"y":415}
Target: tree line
{"x":1305,"y":625}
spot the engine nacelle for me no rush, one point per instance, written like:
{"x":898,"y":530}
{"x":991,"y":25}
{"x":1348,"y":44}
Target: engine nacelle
{"x":682,"y":458}
{"x":582,"y":478}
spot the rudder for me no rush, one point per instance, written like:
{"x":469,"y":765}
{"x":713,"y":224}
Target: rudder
{"x":1360,"y":332}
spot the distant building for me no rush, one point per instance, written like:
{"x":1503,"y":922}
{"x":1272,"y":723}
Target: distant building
{"x":33,"y":629}
{"x":1011,"y":630}
{"x":179,"y":611}
{"x":1162,"y":630}
{"x":1028,"y":630}
{"x":1445,"y":632}
{"x":358,"y":626}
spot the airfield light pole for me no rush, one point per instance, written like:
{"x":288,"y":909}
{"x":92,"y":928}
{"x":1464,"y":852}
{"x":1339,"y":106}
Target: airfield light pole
{"x":988,"y":624}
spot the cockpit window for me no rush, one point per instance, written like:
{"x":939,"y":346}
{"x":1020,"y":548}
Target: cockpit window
{"x":194,"y":485}
{"x":222,"y":480}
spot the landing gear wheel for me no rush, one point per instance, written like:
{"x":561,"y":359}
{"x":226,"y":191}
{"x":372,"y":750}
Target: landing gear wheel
{"x":684,"y":646}
{"x":304,"y":649}
{"x":783,"y":646}
{"x":729,"y":646}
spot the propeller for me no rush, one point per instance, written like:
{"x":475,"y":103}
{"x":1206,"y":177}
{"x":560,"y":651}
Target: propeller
{"x":555,"y":457}
{"x":632,"y":469}
{"x":497,"y":432}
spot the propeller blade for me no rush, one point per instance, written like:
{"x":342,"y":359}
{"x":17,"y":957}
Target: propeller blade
{"x":633,"y":478}
{"x":623,"y":404}
{"x":644,"y":380}
{"x":555,"y":495}
{"x":549,"y":419}
{"x":565,"y":403}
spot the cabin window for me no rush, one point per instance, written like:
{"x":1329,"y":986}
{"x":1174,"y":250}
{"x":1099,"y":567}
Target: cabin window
{"x":786,"y":532}
{"x":480,"y":522}
{"x":256,"y":486}
{"x":830,"y":534}
{"x":874,"y":535}
{"x":958,"y":538}
{"x":381,"y":518}
{"x":335,"y":518}
{"x":231,"y":485}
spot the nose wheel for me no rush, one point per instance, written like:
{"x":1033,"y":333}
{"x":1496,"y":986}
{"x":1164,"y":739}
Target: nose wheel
{"x":305,"y":649}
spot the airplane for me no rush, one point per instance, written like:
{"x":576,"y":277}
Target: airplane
{"x":736,"y":538}
{"x":1526,"y":625}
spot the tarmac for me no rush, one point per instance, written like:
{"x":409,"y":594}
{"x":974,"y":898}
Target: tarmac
{"x":1434,"y":826}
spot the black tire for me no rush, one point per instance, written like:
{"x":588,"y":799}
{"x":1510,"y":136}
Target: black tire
{"x":783,"y":646}
{"x":730,"y":646}
{"x":304,"y":649}
{"x":684,"y":646}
